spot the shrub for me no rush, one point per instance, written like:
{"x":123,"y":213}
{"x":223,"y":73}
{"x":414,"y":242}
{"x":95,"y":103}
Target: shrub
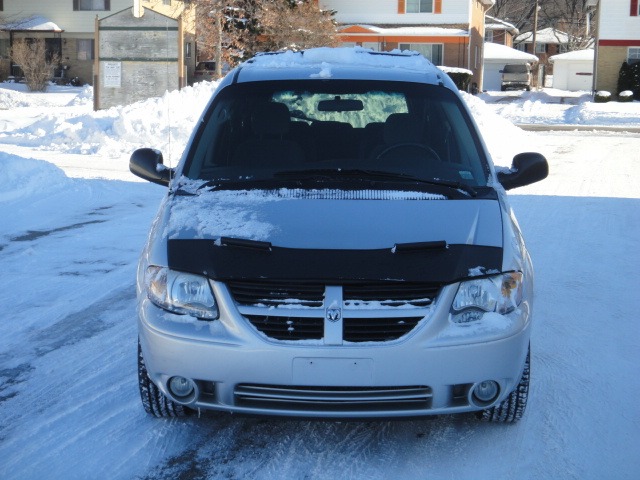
{"x":629,"y":79}
{"x":460,"y":76}
{"x":31,"y":55}
{"x":602,"y":96}
{"x":626,"y":96}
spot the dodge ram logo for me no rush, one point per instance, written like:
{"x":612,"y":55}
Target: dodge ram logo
{"x":334,"y":314}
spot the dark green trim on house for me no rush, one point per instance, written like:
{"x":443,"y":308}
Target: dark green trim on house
{"x":138,"y":59}
{"x":139,"y":29}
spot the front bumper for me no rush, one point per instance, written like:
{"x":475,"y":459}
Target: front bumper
{"x":430,"y":370}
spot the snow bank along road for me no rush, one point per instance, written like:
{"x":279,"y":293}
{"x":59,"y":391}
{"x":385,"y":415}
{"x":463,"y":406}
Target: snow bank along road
{"x":69,"y":405}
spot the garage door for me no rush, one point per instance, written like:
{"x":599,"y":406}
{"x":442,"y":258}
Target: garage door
{"x":492,"y":78}
{"x":580,"y":77}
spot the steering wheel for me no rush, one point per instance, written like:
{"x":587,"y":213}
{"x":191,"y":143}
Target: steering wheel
{"x":430,"y":151}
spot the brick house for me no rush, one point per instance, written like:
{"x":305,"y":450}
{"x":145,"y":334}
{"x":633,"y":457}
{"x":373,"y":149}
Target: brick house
{"x":617,"y":41}
{"x":68,"y":28}
{"x":448,"y":32}
{"x":498,"y":31}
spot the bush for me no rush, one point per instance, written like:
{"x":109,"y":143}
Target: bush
{"x":602,"y":96}
{"x":460,"y":76}
{"x":32,"y":57}
{"x":629,"y":79}
{"x":626,"y":96}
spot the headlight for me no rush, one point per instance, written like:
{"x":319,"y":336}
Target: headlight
{"x":500,"y":293}
{"x":182,"y":293}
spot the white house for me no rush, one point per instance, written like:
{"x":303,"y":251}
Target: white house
{"x":448,"y":32}
{"x":618,"y":39}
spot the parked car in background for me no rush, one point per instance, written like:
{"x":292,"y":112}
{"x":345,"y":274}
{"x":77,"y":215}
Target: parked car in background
{"x":205,"y":71}
{"x":516,"y":76}
{"x":336,"y":242}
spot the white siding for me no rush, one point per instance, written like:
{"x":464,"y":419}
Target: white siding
{"x":381,"y":12}
{"x":61,"y":13}
{"x":615,"y":21}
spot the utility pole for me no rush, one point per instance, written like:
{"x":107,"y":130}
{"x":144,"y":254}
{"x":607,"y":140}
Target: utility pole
{"x":535,"y":26}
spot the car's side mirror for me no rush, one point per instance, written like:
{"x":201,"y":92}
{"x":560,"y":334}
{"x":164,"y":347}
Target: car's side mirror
{"x":147,"y":163}
{"x":527,"y":168}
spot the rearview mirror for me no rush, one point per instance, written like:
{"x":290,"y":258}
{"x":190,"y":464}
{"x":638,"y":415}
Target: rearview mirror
{"x":527,"y":168}
{"x":340,"y":105}
{"x":147,"y":163}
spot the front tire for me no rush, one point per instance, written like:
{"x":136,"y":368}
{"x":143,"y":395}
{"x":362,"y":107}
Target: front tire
{"x":511,"y":409}
{"x":154,"y":401}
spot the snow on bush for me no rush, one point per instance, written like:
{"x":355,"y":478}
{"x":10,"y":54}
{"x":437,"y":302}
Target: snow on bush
{"x":602,"y":96}
{"x":626,"y":96}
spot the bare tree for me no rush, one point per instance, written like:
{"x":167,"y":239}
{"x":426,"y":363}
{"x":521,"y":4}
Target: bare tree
{"x":568,"y":16}
{"x":230,"y":31}
{"x":31,"y":56}
{"x":296,"y":25}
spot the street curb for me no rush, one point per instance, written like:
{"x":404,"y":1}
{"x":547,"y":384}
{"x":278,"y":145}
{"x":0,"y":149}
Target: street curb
{"x":536,"y":127}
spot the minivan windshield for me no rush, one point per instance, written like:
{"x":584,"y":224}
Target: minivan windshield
{"x":284,"y":129}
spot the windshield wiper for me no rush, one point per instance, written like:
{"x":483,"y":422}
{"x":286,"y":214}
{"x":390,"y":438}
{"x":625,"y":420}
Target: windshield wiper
{"x":338,"y":173}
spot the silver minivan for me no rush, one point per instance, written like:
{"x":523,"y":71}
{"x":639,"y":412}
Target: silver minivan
{"x":335,"y":242}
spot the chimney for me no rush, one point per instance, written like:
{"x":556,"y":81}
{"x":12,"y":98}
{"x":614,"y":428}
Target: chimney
{"x":138,"y":9}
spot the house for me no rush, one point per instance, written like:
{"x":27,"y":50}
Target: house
{"x":498,"y":31}
{"x":618,"y":40}
{"x":573,"y":71}
{"x":549,"y":41}
{"x":448,"y":32}
{"x":68,"y":27}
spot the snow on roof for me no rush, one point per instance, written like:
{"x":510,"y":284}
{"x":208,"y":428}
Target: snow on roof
{"x":33,"y":24}
{"x":414,"y":30}
{"x":347,"y":56}
{"x":546,"y":35}
{"x":495,"y":52}
{"x":492,"y":23}
{"x":575,"y":55}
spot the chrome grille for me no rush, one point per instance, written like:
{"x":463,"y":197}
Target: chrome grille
{"x":322,"y":398}
{"x":370,"y":312}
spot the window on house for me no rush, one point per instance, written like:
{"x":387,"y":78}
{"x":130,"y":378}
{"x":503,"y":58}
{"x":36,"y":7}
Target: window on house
{"x":91,"y":5}
{"x":488,"y":35}
{"x":541,"y":47}
{"x":432,"y":51}
{"x":85,"y":48}
{"x":521,"y":46}
{"x":419,"y":6}
{"x":633,"y":55}
{"x":187,"y":50}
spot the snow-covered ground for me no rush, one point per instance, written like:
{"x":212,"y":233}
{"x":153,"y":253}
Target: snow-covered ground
{"x":73,"y":221}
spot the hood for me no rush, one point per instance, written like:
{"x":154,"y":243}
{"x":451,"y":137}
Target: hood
{"x":316,"y":237}
{"x":360,"y":220}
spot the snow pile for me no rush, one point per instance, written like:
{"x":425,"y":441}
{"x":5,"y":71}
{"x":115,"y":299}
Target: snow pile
{"x":503,"y":139}
{"x":27,"y":178}
{"x":164,"y":123}
{"x":556,"y":107}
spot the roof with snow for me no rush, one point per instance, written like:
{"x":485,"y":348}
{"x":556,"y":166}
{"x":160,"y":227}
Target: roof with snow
{"x":546,"y":35}
{"x":496,"y":52}
{"x":492,"y":23}
{"x":575,"y":55}
{"x":31,"y":24}
{"x":415,"y":30}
